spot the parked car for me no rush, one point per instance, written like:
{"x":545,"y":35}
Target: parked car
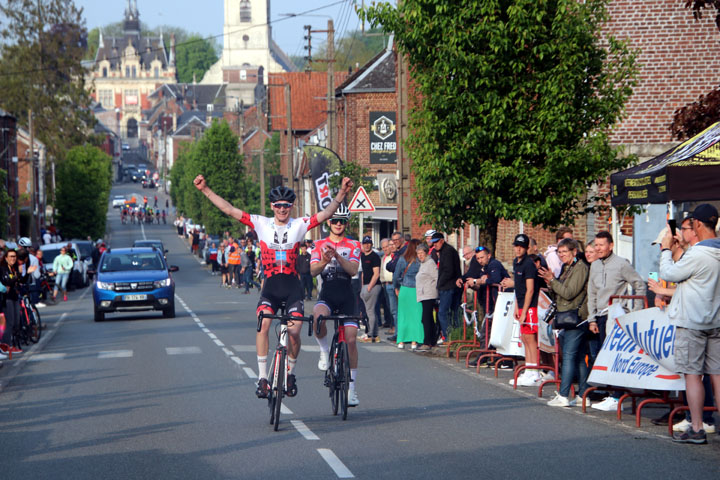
{"x":133,"y":279}
{"x":79,"y":275}
{"x":118,"y":201}
{"x":156,"y":244}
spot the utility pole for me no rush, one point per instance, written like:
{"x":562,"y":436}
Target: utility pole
{"x":404,"y":206}
{"x":308,"y":47}
{"x":291,"y":163}
{"x":331,"y":84}
{"x":258,"y":109}
{"x":33,"y":202}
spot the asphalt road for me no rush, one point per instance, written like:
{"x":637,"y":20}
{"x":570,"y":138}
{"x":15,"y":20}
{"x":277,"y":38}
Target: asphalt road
{"x":140,"y":396}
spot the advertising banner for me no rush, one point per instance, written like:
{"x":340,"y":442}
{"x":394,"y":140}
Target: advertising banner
{"x":505,"y":331}
{"x":383,"y":139}
{"x":638,"y":353}
{"x":322,"y":161}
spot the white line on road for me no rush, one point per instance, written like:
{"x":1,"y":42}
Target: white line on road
{"x":238,"y":360}
{"x":244,"y":348}
{"x":228,"y":352}
{"x":40,"y":357}
{"x":310,"y":348}
{"x":206,"y":330}
{"x":284,"y":409}
{"x":182,"y":350}
{"x":338,"y":467}
{"x":115,"y":354}
{"x":218,"y":343}
{"x":249,"y":372}
{"x":303,"y":429}
{"x":212,"y":335}
{"x":200,"y":324}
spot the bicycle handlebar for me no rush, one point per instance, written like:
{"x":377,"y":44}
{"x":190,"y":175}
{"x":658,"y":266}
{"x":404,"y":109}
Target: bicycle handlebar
{"x":338,"y":319}
{"x":284,"y":319}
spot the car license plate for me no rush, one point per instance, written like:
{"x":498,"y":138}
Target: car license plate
{"x":130,"y":298}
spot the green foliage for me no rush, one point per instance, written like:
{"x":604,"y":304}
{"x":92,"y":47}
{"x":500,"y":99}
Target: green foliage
{"x":5,"y":202}
{"x":83,"y":181}
{"x":216,"y":157}
{"x":272,"y":154}
{"x":194,"y":57}
{"x":516,"y":98}
{"x":41,"y":47}
{"x":359,"y":175}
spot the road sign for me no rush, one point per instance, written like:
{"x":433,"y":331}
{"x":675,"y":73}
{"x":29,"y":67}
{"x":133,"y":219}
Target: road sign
{"x":361,"y":202}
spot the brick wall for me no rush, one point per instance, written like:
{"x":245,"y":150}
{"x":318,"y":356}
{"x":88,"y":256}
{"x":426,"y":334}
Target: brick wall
{"x":679,"y":61}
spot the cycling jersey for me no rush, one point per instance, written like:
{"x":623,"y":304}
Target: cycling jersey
{"x":279,"y":244}
{"x":349,"y":249}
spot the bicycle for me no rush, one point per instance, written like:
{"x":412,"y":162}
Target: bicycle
{"x":30,"y":325}
{"x":337,"y":376}
{"x":277,"y":380}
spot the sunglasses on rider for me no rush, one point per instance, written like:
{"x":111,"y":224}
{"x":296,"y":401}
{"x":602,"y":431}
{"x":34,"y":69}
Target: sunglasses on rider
{"x":282,"y":205}
{"x":336,"y":221}
{"x":480,"y":249}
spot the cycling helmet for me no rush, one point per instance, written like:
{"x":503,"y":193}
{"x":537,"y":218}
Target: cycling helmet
{"x":25,"y":242}
{"x":281,"y":194}
{"x":342,"y":212}
{"x":430,"y":233}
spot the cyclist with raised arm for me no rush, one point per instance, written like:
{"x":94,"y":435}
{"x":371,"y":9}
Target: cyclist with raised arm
{"x":337,"y":259}
{"x":279,"y":239}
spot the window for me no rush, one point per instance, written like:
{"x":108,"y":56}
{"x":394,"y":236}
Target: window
{"x":245,"y":11}
{"x":131,"y":97}
{"x":104,"y":72}
{"x":134,"y":72}
{"x":127,"y":71}
{"x":156,"y":71}
{"x":105,"y":97}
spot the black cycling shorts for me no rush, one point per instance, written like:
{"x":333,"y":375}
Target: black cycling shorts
{"x":338,"y":296}
{"x":280,"y":288}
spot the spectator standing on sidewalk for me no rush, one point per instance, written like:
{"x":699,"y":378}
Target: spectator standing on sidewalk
{"x":427,"y":294}
{"x":302,"y":265}
{"x":695,"y":311}
{"x":409,"y":322}
{"x":609,"y":275}
{"x":62,"y":266}
{"x":386,"y":281}
{"x":11,"y":279}
{"x":448,"y":274}
{"x":370,"y":289}
{"x":400,"y":245}
{"x":551,"y":256}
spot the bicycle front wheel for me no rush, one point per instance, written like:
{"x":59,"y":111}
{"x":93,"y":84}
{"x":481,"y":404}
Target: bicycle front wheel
{"x":34,"y":324}
{"x":279,"y":387}
{"x":345,"y":380}
{"x":332,"y":381}
{"x":271,"y":394}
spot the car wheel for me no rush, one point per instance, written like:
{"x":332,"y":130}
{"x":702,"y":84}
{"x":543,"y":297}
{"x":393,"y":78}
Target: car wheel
{"x":99,"y":316}
{"x":170,"y":311}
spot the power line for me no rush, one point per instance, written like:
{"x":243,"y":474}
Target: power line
{"x":189,"y":42}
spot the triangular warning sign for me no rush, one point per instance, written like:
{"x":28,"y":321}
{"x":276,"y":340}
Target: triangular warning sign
{"x":361,"y":202}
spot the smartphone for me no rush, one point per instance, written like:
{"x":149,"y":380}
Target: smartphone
{"x":654,"y":276}
{"x":673,"y":226}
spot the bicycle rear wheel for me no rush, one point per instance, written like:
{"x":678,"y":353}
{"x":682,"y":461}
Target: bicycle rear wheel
{"x":34,"y":324}
{"x":280,"y":384}
{"x":345,"y":380}
{"x":332,"y":381}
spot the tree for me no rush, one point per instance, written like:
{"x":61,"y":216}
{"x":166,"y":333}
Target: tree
{"x":514,"y":102}
{"x":84,"y":179}
{"x":42,"y":43}
{"x":352,"y":50}
{"x":271,"y":159}
{"x":194,"y":57}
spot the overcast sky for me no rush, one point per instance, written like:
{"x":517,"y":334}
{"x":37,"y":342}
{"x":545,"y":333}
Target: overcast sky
{"x":206,"y":17}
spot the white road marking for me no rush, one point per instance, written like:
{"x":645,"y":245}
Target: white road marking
{"x":200,"y":324}
{"x":115,"y":354}
{"x":182,"y":350}
{"x":238,"y":360}
{"x":303,"y":429}
{"x":338,"y":467}
{"x":39,"y":357}
{"x":244,"y":348}
{"x":249,"y":372}
{"x":218,"y":343}
{"x":284,"y":409}
{"x":310,"y":348}
{"x":381,"y":348}
{"x":206,"y":330}
{"x":212,"y":335}
{"x":228,"y":352}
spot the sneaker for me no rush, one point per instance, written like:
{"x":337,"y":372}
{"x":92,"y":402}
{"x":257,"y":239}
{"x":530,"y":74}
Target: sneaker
{"x":546,"y":376}
{"x":392,"y":338}
{"x":4,"y":347}
{"x":413,"y":347}
{"x":530,"y":380}
{"x":291,"y":387}
{"x":365,"y":338}
{"x":424,"y":348}
{"x":512,"y":380}
{"x":441,"y":340}
{"x":401,"y":346}
{"x":684,"y":425}
{"x":40,"y":305}
{"x":353,"y":400}
{"x":15,"y":350}
{"x":263,"y":389}
{"x":323,"y":362}
{"x":3,"y":356}
{"x":560,"y":401}
{"x":691,"y":436}
{"x":64,"y":298}
{"x":609,"y":404}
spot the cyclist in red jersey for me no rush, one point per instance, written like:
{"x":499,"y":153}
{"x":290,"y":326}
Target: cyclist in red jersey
{"x":279,"y":239}
{"x":337,"y":259}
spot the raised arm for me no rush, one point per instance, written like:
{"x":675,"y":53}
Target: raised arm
{"x":346,"y":186}
{"x":217,"y":200}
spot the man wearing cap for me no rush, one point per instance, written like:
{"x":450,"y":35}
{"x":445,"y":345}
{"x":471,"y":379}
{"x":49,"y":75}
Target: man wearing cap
{"x":386,"y":278}
{"x":695,"y":311}
{"x":526,"y":301}
{"x":448,"y":274}
{"x":370,"y":287}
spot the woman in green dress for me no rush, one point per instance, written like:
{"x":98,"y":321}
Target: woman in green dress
{"x":409,"y":321}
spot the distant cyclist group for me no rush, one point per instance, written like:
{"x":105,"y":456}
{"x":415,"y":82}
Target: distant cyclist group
{"x":335,"y":258}
{"x":132,"y":212}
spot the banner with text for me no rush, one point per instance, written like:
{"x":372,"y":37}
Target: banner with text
{"x":638,"y":353}
{"x":505,"y":332}
{"x":383,"y":138}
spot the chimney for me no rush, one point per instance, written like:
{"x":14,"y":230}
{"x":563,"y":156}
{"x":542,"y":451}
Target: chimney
{"x":174,"y":125}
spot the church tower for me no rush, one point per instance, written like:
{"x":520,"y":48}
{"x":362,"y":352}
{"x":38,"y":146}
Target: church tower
{"x":247,"y":44}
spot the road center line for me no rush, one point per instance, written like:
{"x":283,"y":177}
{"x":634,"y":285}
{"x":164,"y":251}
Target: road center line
{"x":115,"y":354}
{"x":237,"y":360}
{"x":284,"y":409}
{"x":249,"y":372}
{"x":338,"y":467}
{"x":218,"y":343}
{"x":304,"y":430}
